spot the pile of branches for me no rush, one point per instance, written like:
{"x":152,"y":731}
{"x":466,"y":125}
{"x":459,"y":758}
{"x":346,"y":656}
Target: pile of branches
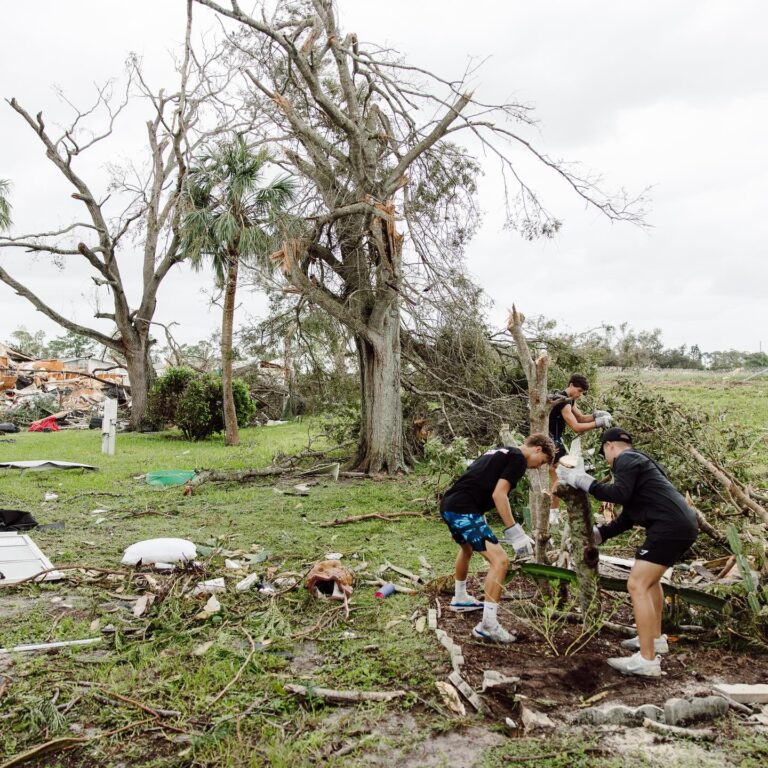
{"x":711,"y":460}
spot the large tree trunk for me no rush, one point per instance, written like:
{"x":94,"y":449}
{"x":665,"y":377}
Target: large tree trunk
{"x":381,"y":425}
{"x":231,"y":434}
{"x":141,"y":374}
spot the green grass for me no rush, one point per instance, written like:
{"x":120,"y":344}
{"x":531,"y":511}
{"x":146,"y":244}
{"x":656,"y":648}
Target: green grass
{"x":150,"y":659}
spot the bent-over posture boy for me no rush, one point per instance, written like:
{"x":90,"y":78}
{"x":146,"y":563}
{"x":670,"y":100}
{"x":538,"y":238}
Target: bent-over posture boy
{"x":486,"y":484}
{"x":649,"y":500}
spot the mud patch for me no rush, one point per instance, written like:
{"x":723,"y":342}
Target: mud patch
{"x":565,"y":682}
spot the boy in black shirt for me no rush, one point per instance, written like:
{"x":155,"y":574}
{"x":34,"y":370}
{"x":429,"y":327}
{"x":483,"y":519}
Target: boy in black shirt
{"x":565,"y":413}
{"x":641,"y":486}
{"x":486,"y":484}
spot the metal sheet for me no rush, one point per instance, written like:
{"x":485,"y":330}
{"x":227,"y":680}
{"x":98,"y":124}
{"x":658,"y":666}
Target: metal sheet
{"x":21,"y":558}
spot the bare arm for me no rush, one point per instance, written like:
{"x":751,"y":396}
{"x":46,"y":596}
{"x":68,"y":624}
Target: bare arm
{"x":582,"y":418}
{"x":501,"y":502}
{"x":573,"y":422}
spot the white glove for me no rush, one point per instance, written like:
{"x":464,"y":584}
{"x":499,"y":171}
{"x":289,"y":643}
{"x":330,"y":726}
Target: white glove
{"x":516,"y":537}
{"x":597,"y":414}
{"x":596,"y":534}
{"x":604,"y":422}
{"x":575,"y":478}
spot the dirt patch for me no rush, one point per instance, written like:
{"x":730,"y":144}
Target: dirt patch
{"x":306,"y":659}
{"x":564,"y":682}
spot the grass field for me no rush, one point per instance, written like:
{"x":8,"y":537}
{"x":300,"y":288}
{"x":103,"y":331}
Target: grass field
{"x":160,"y":661}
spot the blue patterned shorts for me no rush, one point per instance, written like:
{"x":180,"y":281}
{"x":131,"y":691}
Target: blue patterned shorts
{"x":469,"y":529}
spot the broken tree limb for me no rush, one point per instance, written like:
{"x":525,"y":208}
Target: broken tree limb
{"x":231,"y":475}
{"x":735,"y":488}
{"x":698,"y":734}
{"x":343,"y":697}
{"x":704,"y":526}
{"x":372,"y":516}
{"x":538,"y":409}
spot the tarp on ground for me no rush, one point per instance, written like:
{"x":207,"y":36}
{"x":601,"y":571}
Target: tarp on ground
{"x":44,"y":464}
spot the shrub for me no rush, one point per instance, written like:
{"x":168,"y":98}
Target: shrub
{"x":195,"y":402}
{"x":164,"y":395}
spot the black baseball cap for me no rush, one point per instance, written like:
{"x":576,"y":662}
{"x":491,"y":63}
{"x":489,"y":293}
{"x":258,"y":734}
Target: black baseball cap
{"x":612,"y":435}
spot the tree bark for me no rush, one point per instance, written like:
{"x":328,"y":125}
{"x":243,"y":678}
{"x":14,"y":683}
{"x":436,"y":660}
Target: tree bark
{"x":586,"y":558}
{"x":380,"y":447}
{"x":141,"y":374}
{"x":231,"y":433}
{"x":538,"y":410}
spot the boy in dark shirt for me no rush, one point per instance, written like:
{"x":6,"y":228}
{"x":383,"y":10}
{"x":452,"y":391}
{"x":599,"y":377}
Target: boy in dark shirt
{"x":565,"y":413}
{"x":648,"y":499}
{"x":486,"y":484}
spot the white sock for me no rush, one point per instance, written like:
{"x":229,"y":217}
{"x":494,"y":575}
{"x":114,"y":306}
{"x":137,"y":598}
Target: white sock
{"x":460,"y":590}
{"x":489,"y":614}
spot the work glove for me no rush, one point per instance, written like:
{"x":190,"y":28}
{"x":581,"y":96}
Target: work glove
{"x":604,"y":422}
{"x":597,"y":414}
{"x":575,"y":478}
{"x":596,"y":534}
{"x":516,"y":537}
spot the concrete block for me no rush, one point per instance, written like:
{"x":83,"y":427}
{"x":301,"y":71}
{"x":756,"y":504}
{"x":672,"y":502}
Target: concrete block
{"x":432,"y":618}
{"x":681,"y":711}
{"x":497,"y":682}
{"x":621,"y":715}
{"x":743,"y":693}
{"x":466,"y":691}
{"x":651,"y":712}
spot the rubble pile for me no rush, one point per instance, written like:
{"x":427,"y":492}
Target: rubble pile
{"x":69,"y":391}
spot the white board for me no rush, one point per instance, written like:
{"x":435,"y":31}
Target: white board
{"x":21,"y":558}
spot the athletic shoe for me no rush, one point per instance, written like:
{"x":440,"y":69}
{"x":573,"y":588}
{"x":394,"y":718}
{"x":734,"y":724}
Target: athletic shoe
{"x":660,"y":644}
{"x":637,"y":665}
{"x":496,"y":634}
{"x":465,"y":604}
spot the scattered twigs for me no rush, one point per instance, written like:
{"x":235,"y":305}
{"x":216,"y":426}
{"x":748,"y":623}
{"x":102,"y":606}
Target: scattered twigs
{"x":239,"y":671}
{"x":343,"y":697}
{"x":231,"y":475}
{"x":106,"y":694}
{"x":66,"y":743}
{"x":372,"y":516}
{"x":37,"y":576}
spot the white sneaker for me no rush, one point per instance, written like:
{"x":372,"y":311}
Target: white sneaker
{"x":465,"y":604}
{"x":637,"y":665}
{"x":496,"y":634}
{"x":660,"y":644}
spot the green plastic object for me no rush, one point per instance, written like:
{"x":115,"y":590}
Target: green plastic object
{"x":167,"y":477}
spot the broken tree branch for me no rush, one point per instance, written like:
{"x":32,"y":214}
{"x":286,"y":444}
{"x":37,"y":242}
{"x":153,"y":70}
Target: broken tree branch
{"x":343,"y":697}
{"x":372,"y":516}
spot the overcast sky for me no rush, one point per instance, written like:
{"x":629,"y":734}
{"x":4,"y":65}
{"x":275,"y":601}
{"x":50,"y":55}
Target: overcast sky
{"x":668,"y":95}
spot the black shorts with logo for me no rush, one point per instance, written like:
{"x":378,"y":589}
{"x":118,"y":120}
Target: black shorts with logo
{"x":559,"y":451}
{"x":663,"y":551}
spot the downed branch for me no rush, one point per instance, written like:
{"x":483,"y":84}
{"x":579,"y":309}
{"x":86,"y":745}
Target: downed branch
{"x":733,"y":486}
{"x":698,"y":734}
{"x":231,"y":475}
{"x":36,"y":576}
{"x":371,"y":516}
{"x":343,"y":697}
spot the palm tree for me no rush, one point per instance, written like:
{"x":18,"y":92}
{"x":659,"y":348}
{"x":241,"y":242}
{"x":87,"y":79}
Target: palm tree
{"x":5,"y":206}
{"x":230,"y":217}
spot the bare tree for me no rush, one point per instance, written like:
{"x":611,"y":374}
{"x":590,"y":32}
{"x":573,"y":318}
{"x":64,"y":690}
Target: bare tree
{"x":145,"y":197}
{"x":368,"y":134}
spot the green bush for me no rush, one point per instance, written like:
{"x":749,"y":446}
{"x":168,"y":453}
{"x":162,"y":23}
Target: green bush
{"x":165,"y":393}
{"x":195,"y":402}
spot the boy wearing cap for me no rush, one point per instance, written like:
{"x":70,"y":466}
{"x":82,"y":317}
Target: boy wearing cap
{"x":486,"y":484}
{"x":565,"y":413}
{"x":648,"y":499}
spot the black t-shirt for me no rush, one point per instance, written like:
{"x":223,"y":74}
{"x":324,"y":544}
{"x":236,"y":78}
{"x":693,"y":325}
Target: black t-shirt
{"x":556,"y":420}
{"x":472,"y":493}
{"x":648,"y":499}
